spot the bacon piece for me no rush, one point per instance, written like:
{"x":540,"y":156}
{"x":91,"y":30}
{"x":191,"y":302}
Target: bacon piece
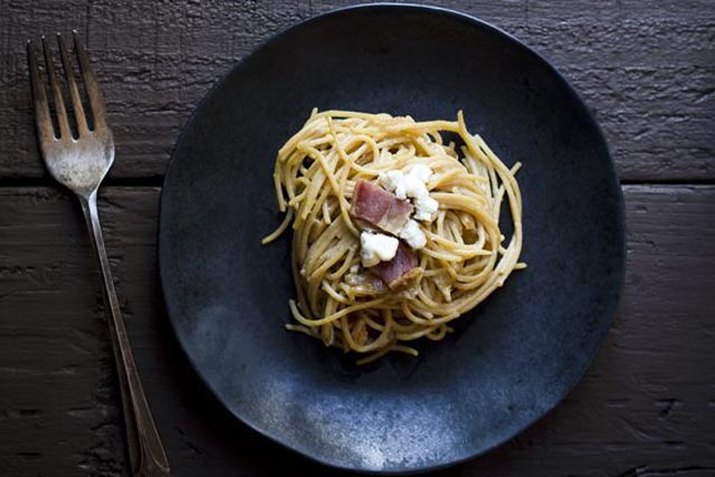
{"x":399,"y":271}
{"x":380,"y":208}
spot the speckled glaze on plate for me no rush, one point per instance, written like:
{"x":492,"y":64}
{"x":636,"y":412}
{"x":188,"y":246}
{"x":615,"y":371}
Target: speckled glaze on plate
{"x":510,"y":361}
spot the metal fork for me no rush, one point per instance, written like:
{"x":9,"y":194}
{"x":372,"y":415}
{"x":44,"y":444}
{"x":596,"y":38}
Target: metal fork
{"x":80,"y":163}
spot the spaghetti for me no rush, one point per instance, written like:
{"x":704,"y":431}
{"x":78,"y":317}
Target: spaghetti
{"x":466,"y":255}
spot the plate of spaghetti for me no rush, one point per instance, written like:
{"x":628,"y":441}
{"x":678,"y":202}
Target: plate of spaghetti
{"x":391,"y":238}
{"x":394,"y":234}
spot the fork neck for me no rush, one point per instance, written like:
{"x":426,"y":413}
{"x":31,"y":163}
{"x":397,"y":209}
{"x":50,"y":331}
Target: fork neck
{"x":91,"y":215}
{"x":88,"y":201}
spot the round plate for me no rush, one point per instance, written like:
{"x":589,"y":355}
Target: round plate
{"x":510,"y":361}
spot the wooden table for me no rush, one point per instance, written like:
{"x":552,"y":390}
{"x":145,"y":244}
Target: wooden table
{"x":646,"y":405}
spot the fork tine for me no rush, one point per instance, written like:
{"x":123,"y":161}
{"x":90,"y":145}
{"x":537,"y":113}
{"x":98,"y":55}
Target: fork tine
{"x":64,"y":124}
{"x":90,"y":82}
{"x":43,"y":121}
{"x":74,"y":91}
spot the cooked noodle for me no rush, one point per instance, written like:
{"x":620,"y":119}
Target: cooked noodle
{"x":465,"y":258}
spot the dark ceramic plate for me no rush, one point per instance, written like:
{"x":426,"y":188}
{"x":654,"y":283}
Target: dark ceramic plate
{"x":511,"y":360}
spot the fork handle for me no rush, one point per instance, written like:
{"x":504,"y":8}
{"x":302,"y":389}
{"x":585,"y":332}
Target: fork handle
{"x":146,"y":453}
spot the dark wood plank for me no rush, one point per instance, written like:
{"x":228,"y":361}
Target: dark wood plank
{"x":646,"y":406}
{"x":646,"y":68}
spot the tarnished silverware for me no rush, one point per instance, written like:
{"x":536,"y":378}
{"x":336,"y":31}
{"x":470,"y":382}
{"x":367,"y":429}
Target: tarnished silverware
{"x":80,"y":161}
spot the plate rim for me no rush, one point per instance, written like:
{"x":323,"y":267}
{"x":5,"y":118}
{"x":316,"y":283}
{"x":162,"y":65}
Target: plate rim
{"x":475,"y":22}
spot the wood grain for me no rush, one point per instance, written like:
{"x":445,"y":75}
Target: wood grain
{"x":646,"y":407}
{"x":646,"y":68}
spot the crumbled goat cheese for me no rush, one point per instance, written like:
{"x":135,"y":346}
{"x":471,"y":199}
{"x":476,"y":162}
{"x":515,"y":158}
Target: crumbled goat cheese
{"x":426,"y":208}
{"x":413,"y":235}
{"x":376,"y":248}
{"x":412,"y":185}
{"x":394,"y":181}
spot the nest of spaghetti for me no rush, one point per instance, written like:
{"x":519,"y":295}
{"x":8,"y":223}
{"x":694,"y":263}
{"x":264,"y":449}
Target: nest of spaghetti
{"x":396,"y":233}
